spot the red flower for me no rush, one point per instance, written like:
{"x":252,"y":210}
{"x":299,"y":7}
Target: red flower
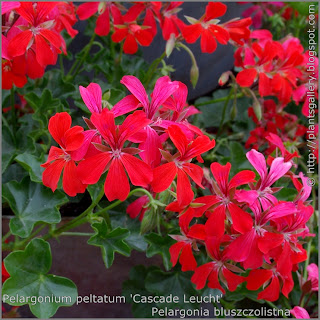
{"x":115,"y":156}
{"x":224,"y":201}
{"x":69,"y":139}
{"x":207,"y":28}
{"x":218,"y":268}
{"x":170,"y":23}
{"x":180,"y":165}
{"x":37,"y":31}
{"x":14,"y":73}
{"x":132,"y":34}
{"x":88,"y":9}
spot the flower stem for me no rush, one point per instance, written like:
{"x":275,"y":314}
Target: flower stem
{"x":81,"y":234}
{"x":204,"y":103}
{"x":153,"y":67}
{"x":78,"y":63}
{"x":224,"y":111}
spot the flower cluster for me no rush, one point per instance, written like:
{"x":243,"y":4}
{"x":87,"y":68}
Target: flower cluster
{"x":248,"y":227}
{"x":274,"y":121}
{"x":107,"y":146}
{"x":138,"y":24}
{"x":242,"y":222}
{"x":31,"y":38}
{"x":278,"y":67}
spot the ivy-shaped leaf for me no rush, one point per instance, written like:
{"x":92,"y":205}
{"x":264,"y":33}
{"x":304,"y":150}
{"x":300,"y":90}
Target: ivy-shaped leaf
{"x":31,"y":202}
{"x":32,"y":164}
{"x":178,"y":283}
{"x":29,"y":280}
{"x":159,"y":245}
{"x":110,"y":241}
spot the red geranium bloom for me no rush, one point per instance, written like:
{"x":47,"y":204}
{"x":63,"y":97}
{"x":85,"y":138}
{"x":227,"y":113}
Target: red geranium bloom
{"x":132,"y":34}
{"x":14,"y":73}
{"x":207,"y":28}
{"x":180,"y":165}
{"x":170,"y":23}
{"x":152,"y":10}
{"x":88,"y":9}
{"x":115,"y":156}
{"x":69,"y":139}
{"x":218,"y":268}
{"x":37,"y":31}
{"x":224,"y":202}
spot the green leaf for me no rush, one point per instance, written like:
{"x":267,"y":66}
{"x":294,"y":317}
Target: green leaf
{"x":121,"y":219}
{"x":110,"y":241}
{"x":8,"y":146}
{"x":239,"y":160}
{"x":32,"y":164}
{"x":28,"y":278}
{"x":178,"y":283}
{"x":31,"y":202}
{"x":136,"y":285}
{"x":159,"y":245}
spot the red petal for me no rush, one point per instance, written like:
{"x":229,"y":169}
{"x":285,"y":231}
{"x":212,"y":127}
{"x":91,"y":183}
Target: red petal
{"x":178,"y":138}
{"x":192,"y":33}
{"x":91,"y":169}
{"x":18,"y":45}
{"x":243,"y":177}
{"x":130,"y":45}
{"x":71,"y":183}
{"x":163,"y":176}
{"x":187,"y":259}
{"x":175,"y":250}
{"x":214,"y":281}
{"x":125,"y":105}
{"x":58,"y":125}
{"x":214,"y":10}
{"x":119,"y":35}
{"x":139,"y":172}
{"x":51,"y":175}
{"x":201,"y":274}
{"x":73,"y":138}
{"x":86,"y":10}
{"x":52,"y":37}
{"x":44,"y":53}
{"x":241,"y":220}
{"x":215,"y":223}
{"x":257,"y":278}
{"x":208,"y":42}
{"x":221,"y":174}
{"x":144,"y":37}
{"x":184,"y":191}
{"x":269,"y":241}
{"x":271,"y":293}
{"x":233,"y":280}
{"x":194,"y":172}
{"x":131,"y":125}
{"x":197,"y":231}
{"x":245,"y":78}
{"x":117,"y":184}
{"x":103,"y":24}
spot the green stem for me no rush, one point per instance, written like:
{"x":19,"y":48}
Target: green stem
{"x":238,"y":95}
{"x":6,"y":236}
{"x":61,"y":64}
{"x":13,"y":112}
{"x":82,"y":218}
{"x":78,"y":63}
{"x":25,"y":241}
{"x":153,"y":67}
{"x":224,"y":110}
{"x":81,"y":234}
{"x":74,"y":222}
